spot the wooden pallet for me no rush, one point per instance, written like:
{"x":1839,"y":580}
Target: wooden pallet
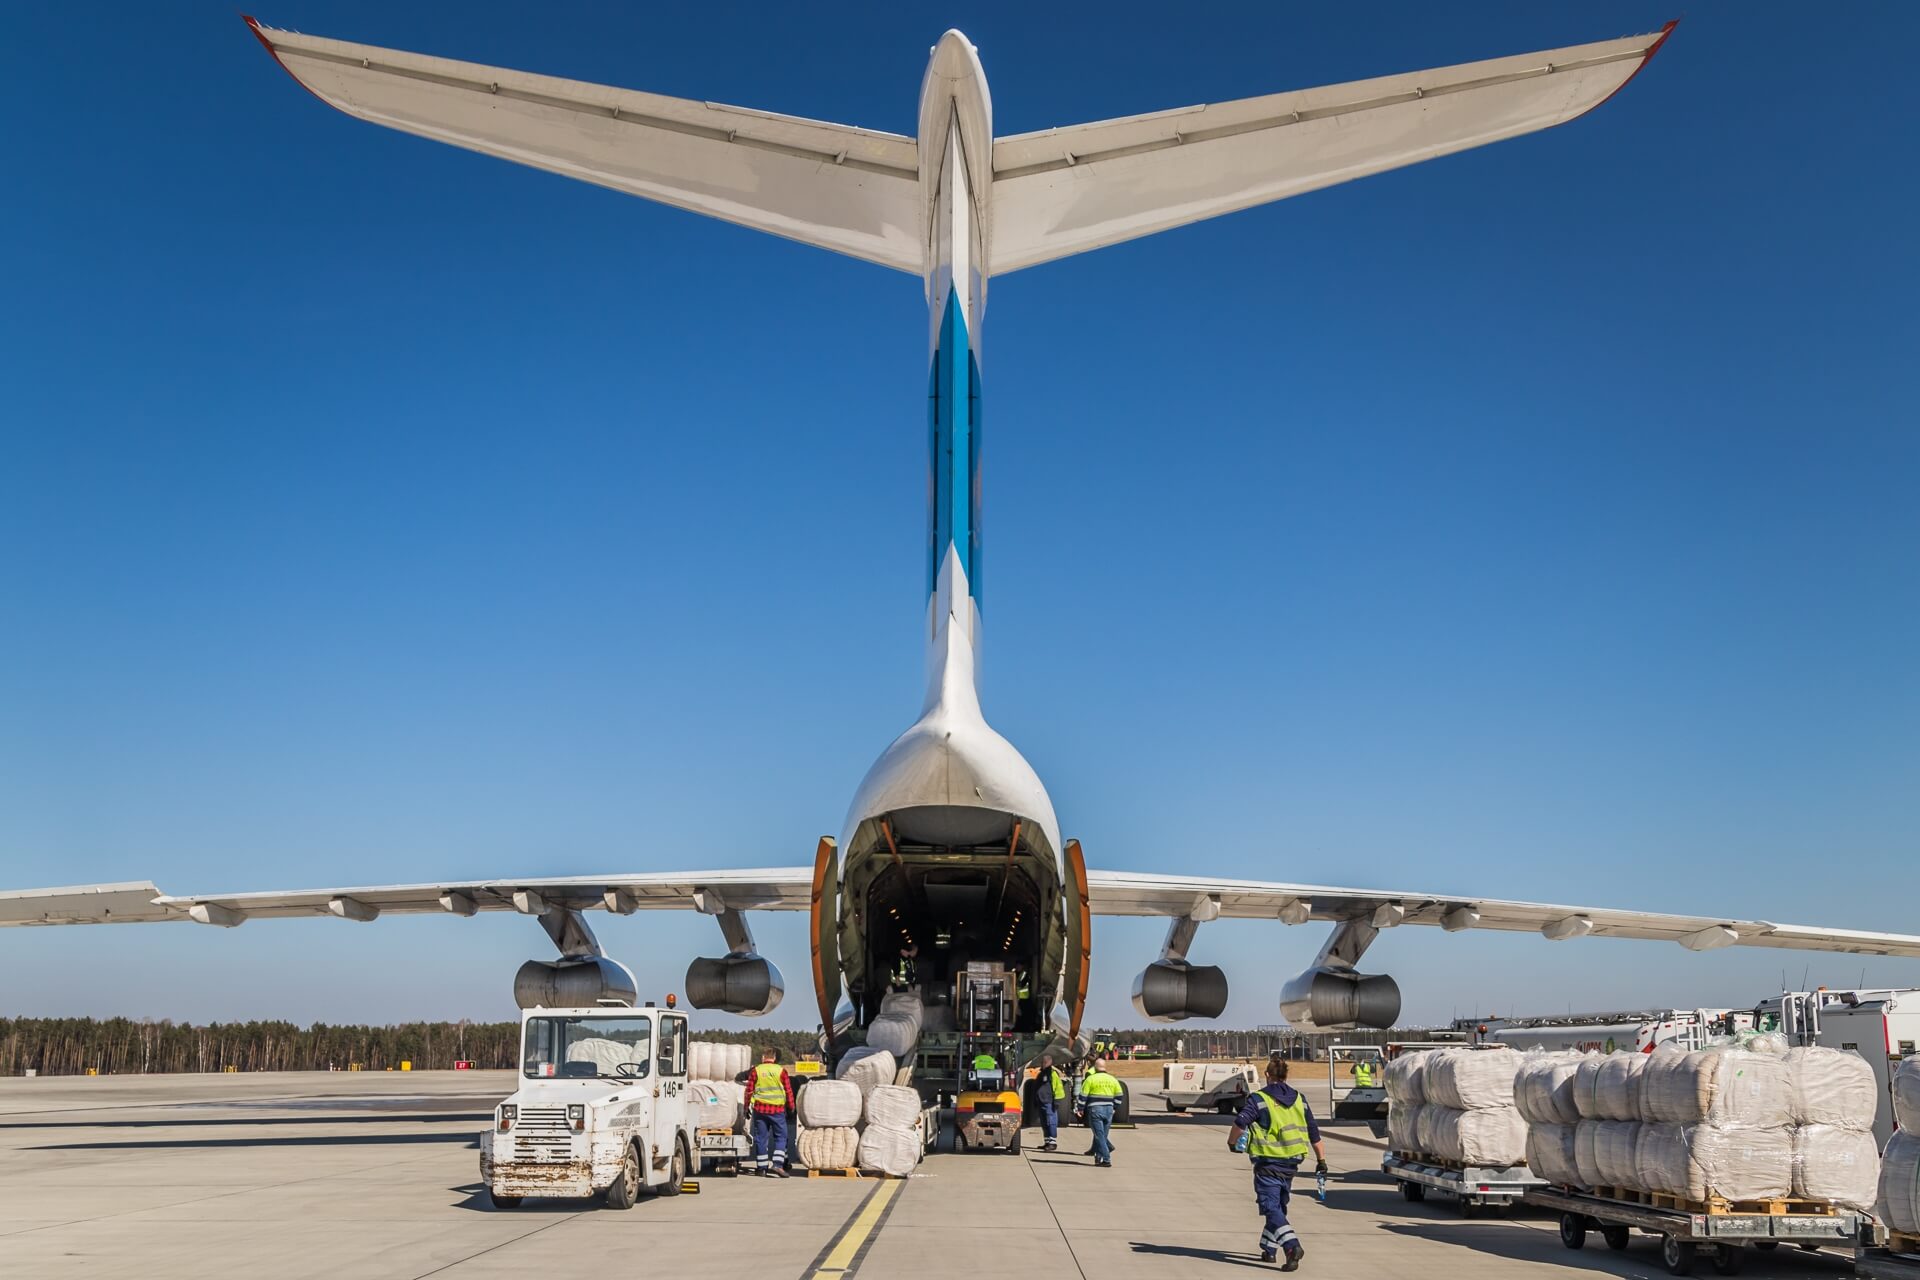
{"x":1902,"y":1242}
{"x":1718,"y":1206}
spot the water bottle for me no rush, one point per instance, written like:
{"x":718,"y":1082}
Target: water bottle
{"x":1246,"y":1136}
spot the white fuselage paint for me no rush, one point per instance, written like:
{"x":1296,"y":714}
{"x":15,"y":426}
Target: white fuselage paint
{"x":951,"y":756}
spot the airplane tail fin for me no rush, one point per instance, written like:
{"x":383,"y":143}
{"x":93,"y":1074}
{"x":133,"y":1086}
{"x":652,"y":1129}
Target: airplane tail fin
{"x":1065,"y":191}
{"x":851,"y":190}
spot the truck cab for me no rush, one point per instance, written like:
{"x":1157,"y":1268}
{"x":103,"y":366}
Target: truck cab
{"x":602,"y":1108}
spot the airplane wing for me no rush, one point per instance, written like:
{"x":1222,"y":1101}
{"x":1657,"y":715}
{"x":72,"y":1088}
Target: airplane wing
{"x":1064,"y":191}
{"x":854,"y":191}
{"x":775,"y":889}
{"x":1132,"y":893}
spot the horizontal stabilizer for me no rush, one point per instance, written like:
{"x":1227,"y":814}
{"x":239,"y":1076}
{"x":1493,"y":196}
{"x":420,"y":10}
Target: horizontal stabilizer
{"x":854,"y":191}
{"x":1065,"y":191}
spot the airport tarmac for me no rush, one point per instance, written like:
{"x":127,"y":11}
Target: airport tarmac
{"x":356,"y":1175}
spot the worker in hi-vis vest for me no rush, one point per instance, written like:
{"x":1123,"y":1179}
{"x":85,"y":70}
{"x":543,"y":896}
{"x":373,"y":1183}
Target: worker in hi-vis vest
{"x":1363,"y":1074}
{"x":1280,"y":1130}
{"x":769,"y":1099}
{"x":1100,"y":1096}
{"x":1049,"y":1091}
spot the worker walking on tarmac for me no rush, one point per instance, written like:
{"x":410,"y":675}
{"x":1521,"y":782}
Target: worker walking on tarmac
{"x":1280,"y":1129}
{"x":769,"y":1099}
{"x":1049,"y":1089}
{"x":1099,"y":1098}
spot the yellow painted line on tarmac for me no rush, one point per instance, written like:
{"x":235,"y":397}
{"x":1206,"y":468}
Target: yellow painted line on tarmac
{"x":842,"y":1256}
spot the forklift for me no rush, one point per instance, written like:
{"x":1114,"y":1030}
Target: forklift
{"x":986,"y":1109}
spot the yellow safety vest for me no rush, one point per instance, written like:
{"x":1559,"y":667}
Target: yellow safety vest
{"x":1059,"y":1086}
{"x":1099,"y":1086}
{"x":985,"y":1062}
{"x":1362,"y":1076}
{"x":1284,"y":1134}
{"x":767,"y":1089}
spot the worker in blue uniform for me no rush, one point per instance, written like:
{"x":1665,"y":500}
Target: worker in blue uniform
{"x":1280,"y":1131}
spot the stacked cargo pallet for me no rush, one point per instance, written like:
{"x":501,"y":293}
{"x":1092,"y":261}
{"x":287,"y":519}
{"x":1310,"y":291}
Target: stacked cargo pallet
{"x":1456,"y":1106}
{"x":1899,"y":1192}
{"x":1747,"y":1124}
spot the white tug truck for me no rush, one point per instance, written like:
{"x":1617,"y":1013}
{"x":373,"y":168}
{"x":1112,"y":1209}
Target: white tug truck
{"x":602,"y":1109}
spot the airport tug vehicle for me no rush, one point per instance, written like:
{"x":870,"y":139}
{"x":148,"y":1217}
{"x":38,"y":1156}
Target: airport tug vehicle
{"x":603,"y":1108}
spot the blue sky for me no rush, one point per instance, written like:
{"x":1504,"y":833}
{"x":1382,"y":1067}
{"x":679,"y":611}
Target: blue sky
{"x":1539,"y":522}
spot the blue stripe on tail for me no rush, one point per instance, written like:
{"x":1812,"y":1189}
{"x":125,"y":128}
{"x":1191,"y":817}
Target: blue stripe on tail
{"x":953,"y":423}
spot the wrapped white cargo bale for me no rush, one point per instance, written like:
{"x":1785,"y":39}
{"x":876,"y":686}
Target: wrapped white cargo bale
{"x":1406,"y":1079}
{"x":1470,"y":1079}
{"x":1840,"y":1166}
{"x":1543,"y":1088}
{"x":740,"y":1059}
{"x":1493,"y":1136}
{"x":1550,"y":1153}
{"x":1614,"y":1154}
{"x":1898,"y":1205}
{"x":830,"y":1104}
{"x":895,"y":1033}
{"x":867,"y":1067}
{"x":1722,"y":1087}
{"x":884,"y":1149}
{"x":1618,"y":1086}
{"x":1699,"y":1161}
{"x":893,"y":1105}
{"x":1403,"y":1126}
{"x":697,"y":1065}
{"x":830,"y":1148}
{"x":717,"y":1103}
{"x":1586,"y":1159}
{"x":1833,"y":1087}
{"x":1426,"y":1122}
{"x":1906,"y":1095}
{"x":905,"y":1003}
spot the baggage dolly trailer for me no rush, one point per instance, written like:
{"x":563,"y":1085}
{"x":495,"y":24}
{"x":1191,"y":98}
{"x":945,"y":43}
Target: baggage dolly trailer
{"x":1688,"y":1237}
{"x":1473,"y":1186}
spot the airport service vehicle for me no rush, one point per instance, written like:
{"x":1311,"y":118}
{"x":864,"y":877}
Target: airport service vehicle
{"x":1688,"y":1238}
{"x":1207,"y":1086}
{"x":1472,"y":1186}
{"x":1628,"y":1031}
{"x":951,"y":850}
{"x":602,"y":1108}
{"x":1880,"y":1024}
{"x":1354,"y":1102}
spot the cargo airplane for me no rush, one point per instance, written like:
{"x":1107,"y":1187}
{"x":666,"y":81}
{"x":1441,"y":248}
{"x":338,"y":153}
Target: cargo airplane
{"x":950,"y":852}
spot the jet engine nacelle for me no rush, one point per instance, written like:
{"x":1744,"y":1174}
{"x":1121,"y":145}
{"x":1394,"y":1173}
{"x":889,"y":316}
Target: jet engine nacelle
{"x":748,"y":985}
{"x":1167,"y":991}
{"x":1324,"y":999}
{"x":574,"y":984}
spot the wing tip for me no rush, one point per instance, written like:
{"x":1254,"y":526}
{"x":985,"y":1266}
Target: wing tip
{"x":260,"y":34}
{"x":1640,"y":66}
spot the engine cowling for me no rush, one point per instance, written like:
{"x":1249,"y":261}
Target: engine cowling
{"x":574,"y":984}
{"x":747,"y":985}
{"x":1325,"y":999}
{"x":1167,"y":991}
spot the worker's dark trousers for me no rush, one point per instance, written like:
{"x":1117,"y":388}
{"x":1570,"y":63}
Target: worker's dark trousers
{"x":1049,"y":1115}
{"x":769,"y":1138}
{"x":1272,"y":1185}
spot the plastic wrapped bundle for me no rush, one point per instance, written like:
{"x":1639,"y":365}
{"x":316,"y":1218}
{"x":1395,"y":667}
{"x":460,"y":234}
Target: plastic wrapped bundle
{"x":1403,"y":1126}
{"x":1906,"y":1095}
{"x":698,"y":1066}
{"x":834,"y":1148}
{"x":885,"y":1149}
{"x":717,"y":1103}
{"x":1470,"y":1079}
{"x":1406,"y":1079}
{"x":1586,"y":1161}
{"x":1705,"y":1160}
{"x":1898,"y":1206}
{"x":1833,"y":1087}
{"x":738,"y":1059}
{"x":866,"y":1067}
{"x":1607,"y":1086}
{"x":1543,"y":1088}
{"x":897,"y":1028}
{"x":1720,"y":1087}
{"x":1550,"y":1153}
{"x":893,"y":1105}
{"x":1615,"y":1156}
{"x":1426,"y":1124}
{"x":1840,"y":1166}
{"x":830,"y":1104}
{"x":1493,"y":1136}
